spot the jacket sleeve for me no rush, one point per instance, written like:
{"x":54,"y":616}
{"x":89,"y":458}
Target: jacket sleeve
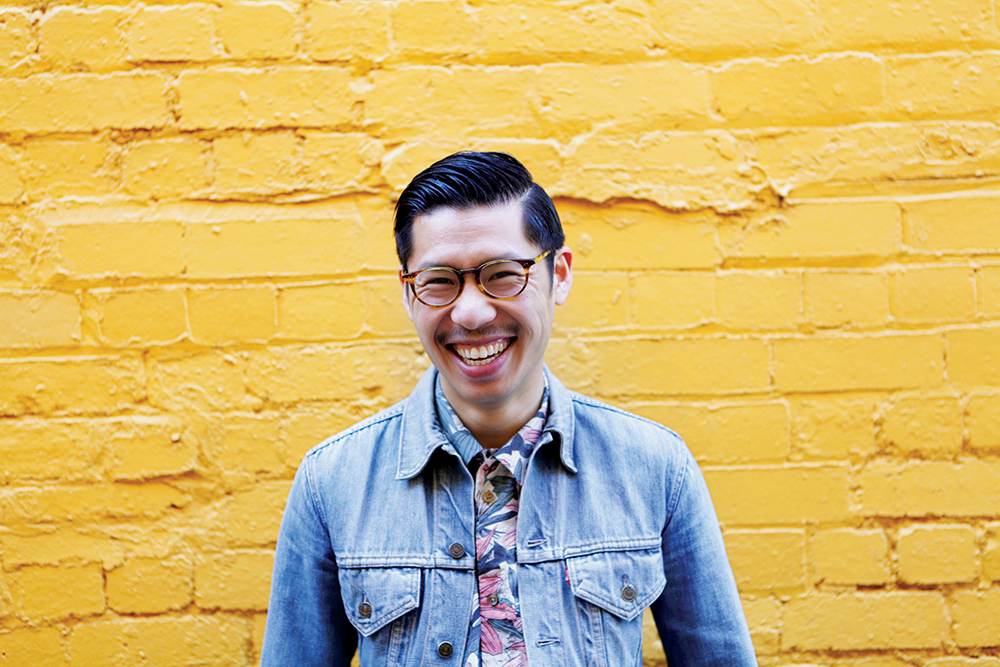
{"x":306,"y":623}
{"x":699,"y":614}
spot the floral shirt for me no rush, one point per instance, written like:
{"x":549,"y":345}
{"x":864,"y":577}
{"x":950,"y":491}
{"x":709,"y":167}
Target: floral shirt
{"x":496,"y":638}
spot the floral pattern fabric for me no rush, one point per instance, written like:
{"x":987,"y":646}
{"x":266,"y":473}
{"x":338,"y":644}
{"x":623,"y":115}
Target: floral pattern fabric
{"x":496,"y":638}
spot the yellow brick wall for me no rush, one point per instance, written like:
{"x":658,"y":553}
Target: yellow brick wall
{"x":786,"y":219}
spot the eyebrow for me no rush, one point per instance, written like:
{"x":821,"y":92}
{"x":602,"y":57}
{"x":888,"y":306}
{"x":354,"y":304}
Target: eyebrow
{"x":438,"y":265}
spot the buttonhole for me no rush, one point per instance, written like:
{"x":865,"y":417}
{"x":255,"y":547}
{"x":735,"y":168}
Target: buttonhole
{"x":545,"y":641}
{"x":531,"y":544}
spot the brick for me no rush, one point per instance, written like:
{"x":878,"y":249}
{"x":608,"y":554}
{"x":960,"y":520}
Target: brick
{"x":234,"y":580}
{"x":147,"y":447}
{"x":246,"y":98}
{"x":924,"y":87}
{"x":789,"y":494}
{"x":763,"y":617}
{"x":339,"y":162}
{"x":212,"y":381}
{"x":990,"y":297}
{"x":40,"y":647}
{"x":599,"y":301}
{"x":831,"y":90}
{"x":937,"y":554}
{"x":141,"y":316}
{"x":638,"y":237}
{"x":384,"y":314}
{"x":276,"y":247}
{"x":933,"y":294}
{"x":257,"y":163}
{"x":817,"y":230}
{"x":65,"y":547}
{"x":920,"y":488}
{"x":767,"y":559}
{"x":974,"y":614}
{"x":128,"y":100}
{"x":179,"y":33}
{"x":834,"y":426}
{"x":953,"y":224}
{"x":251,"y":518}
{"x":257,"y":30}
{"x":36,"y":449}
{"x":246,"y":443}
{"x":928,"y":425}
{"x":169,"y":641}
{"x":52,"y":593}
{"x":11,"y":185}
{"x":60,"y":168}
{"x":348,"y":29}
{"x":984,"y":422}
{"x":705,"y":366}
{"x":871,"y":362}
{"x":895,"y":620}
{"x":845,"y":298}
{"x":15,"y":36}
{"x":220,"y":315}
{"x":305,"y":429}
{"x":72,"y":384}
{"x":855,"y":24}
{"x":726,"y":433}
{"x":973,"y":356}
{"x":165,"y":169}
{"x":851,"y":557}
{"x":428,"y":26}
{"x":747,"y":27}
{"x":146,"y":249}
{"x":671,"y":300}
{"x":257,"y":637}
{"x":39,"y":319}
{"x":759,"y":300}
{"x":514,"y":34}
{"x":332,"y":372}
{"x":77,"y":36}
{"x":964,"y":662}
{"x":991,"y":554}
{"x":323,"y":311}
{"x":63,"y":503}
{"x":150,"y":585}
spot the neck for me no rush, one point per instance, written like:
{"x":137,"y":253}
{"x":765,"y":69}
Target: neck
{"x":493,"y":425}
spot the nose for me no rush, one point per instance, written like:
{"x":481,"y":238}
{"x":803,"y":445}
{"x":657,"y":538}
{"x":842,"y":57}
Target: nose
{"x":472,"y":309}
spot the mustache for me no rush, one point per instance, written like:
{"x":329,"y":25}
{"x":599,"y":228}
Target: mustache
{"x":457,"y":333}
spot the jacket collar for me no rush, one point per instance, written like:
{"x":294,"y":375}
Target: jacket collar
{"x":420,"y":433}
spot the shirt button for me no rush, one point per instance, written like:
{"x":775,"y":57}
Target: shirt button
{"x":445,"y":649}
{"x":493,"y":599}
{"x":364,"y":610}
{"x":628,"y":594}
{"x":456,"y":551}
{"x":489,"y":497}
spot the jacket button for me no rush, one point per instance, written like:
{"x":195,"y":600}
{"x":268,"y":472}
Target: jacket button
{"x":445,"y":649}
{"x":364,"y":610}
{"x":628,"y":594}
{"x":457,"y":551}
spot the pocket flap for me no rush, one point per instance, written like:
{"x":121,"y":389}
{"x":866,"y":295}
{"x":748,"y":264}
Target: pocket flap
{"x":375,"y":596}
{"x":620,"y":582}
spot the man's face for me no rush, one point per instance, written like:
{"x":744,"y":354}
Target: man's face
{"x":518,"y":329}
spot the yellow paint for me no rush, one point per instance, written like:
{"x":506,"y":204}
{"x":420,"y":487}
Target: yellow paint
{"x":785,"y":219}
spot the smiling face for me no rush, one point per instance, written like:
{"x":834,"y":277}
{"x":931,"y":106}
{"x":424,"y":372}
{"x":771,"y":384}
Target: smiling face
{"x":489,"y":352}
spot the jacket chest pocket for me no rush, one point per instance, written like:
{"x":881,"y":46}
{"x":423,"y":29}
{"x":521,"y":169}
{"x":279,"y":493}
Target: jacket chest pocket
{"x":376,"y":601}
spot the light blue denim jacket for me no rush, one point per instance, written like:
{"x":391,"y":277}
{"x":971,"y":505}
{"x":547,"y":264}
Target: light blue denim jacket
{"x":376,"y":548}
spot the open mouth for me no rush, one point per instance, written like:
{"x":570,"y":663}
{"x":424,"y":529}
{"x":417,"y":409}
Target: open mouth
{"x":482,"y":354}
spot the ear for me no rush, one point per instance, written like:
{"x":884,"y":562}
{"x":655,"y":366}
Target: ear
{"x":562,"y":277}
{"x":406,"y":295}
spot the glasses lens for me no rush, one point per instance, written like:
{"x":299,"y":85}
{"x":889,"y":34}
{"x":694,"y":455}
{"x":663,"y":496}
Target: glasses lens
{"x":436,"y":287}
{"x":503,"y":279}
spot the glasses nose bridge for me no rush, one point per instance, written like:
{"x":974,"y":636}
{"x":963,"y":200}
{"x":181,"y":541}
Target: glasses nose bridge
{"x":475,"y":273}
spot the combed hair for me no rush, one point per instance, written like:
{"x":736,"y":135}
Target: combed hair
{"x":466,"y":180}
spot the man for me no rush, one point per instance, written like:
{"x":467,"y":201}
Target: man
{"x":494,"y":517}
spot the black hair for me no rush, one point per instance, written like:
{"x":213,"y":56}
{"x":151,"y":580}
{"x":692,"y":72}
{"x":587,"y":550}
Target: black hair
{"x":466,"y":180}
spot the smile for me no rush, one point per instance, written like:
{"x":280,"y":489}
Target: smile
{"x":481,"y":355}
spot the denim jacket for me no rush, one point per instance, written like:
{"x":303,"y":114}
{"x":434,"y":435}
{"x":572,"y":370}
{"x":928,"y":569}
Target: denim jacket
{"x":376,"y":550}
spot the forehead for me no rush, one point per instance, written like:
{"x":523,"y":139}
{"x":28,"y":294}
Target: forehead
{"x":467,"y":237}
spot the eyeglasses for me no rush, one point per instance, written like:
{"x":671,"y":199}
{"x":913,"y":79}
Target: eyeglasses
{"x":500,"y":278}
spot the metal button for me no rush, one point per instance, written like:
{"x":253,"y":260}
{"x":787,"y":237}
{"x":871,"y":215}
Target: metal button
{"x":628,"y":594}
{"x":493,"y":599}
{"x":456,"y":551}
{"x":364,"y":610}
{"x":445,"y":649}
{"x":489,"y":497}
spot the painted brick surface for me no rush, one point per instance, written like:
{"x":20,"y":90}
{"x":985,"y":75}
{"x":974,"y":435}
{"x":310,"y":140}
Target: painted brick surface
{"x":785,"y":216}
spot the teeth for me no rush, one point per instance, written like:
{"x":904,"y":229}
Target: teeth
{"x":480,"y":356}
